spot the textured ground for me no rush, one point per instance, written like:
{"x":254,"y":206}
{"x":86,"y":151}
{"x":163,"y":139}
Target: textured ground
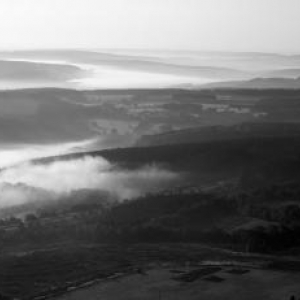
{"x":159,"y":283}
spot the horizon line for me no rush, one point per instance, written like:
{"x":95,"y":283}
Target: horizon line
{"x":186,"y":50}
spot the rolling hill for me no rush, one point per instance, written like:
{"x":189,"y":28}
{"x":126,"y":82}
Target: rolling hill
{"x":259,"y":83}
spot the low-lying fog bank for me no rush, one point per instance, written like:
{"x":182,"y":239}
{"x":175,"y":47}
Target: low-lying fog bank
{"x":38,"y":182}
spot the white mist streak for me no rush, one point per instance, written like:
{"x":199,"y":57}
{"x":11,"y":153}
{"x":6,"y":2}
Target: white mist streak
{"x":17,"y":154}
{"x":63,"y":177}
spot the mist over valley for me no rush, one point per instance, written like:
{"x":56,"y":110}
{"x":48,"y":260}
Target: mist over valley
{"x":135,"y":164}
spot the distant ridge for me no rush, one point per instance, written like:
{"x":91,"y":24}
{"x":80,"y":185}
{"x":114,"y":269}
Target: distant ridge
{"x":221,"y":133}
{"x":259,"y":83}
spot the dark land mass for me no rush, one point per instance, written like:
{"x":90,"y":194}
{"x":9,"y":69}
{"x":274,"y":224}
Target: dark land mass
{"x":222,"y":133}
{"x":271,"y":159}
{"x":121,"y":117}
{"x":238,"y":200}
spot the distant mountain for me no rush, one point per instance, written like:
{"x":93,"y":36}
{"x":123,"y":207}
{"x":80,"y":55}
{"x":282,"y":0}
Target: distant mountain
{"x":254,"y":61}
{"x":40,"y":72}
{"x":173,"y":68}
{"x":283,"y":73}
{"x":259,"y":83}
{"x":133,"y":62}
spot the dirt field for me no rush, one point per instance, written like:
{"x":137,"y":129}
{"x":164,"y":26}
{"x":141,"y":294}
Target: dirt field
{"x":180,"y":283}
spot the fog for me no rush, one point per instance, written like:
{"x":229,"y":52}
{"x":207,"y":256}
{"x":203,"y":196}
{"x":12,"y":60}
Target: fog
{"x":33,"y":182}
{"x":15,"y":154}
{"x":121,"y":69}
{"x":103,"y":76}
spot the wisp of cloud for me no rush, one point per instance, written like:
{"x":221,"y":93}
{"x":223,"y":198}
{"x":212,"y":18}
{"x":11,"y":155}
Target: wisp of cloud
{"x":32,"y":182}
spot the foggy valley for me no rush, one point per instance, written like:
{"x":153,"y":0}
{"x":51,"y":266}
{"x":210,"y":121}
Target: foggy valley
{"x":149,"y":150}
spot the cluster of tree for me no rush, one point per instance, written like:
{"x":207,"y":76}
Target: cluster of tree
{"x":261,"y":220}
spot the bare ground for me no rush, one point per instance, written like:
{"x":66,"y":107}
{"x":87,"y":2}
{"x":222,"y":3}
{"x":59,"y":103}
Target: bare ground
{"x":163,"y":283}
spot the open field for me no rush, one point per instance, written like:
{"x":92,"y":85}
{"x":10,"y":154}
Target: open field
{"x":69,"y":271}
{"x":159,"y":283}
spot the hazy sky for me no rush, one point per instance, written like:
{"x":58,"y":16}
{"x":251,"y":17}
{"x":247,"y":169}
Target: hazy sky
{"x":238,"y":25}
